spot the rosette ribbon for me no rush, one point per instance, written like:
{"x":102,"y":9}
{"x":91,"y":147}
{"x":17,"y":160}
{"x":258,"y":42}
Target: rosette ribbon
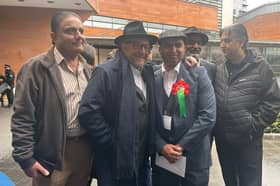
{"x":181,"y":89}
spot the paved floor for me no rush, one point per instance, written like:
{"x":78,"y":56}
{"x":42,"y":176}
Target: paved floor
{"x":271,"y":162}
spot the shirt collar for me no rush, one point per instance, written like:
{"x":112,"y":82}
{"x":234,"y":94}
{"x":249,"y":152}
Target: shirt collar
{"x":58,"y":56}
{"x":59,"y":59}
{"x":176,"y":68}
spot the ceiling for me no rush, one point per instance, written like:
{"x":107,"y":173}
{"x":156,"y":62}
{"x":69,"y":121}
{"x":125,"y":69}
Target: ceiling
{"x":64,"y":4}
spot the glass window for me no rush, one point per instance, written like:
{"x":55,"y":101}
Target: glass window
{"x":102,"y":24}
{"x":87,"y":23}
{"x":102,"y":19}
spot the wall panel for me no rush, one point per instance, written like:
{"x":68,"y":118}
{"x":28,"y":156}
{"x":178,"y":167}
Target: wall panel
{"x":265,"y":27}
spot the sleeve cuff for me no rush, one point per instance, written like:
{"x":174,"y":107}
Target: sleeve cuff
{"x":27,"y":163}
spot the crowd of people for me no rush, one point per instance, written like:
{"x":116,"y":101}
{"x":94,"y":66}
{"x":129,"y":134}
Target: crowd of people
{"x":132,"y":123}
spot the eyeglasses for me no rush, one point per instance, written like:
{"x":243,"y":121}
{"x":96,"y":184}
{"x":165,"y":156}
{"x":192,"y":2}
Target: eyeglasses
{"x":139,"y":45}
{"x":73,"y":30}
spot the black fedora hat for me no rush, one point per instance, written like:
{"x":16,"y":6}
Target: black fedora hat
{"x":135,"y":29}
{"x":189,"y":32}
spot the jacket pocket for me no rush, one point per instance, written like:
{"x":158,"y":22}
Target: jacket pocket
{"x":240,"y":134}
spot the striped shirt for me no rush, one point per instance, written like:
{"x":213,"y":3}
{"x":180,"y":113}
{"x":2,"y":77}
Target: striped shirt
{"x":74,"y":85}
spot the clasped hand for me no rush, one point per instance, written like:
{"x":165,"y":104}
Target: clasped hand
{"x":172,"y":152}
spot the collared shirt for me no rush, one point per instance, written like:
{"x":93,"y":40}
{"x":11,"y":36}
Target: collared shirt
{"x":74,"y":86}
{"x":169,"y":78}
{"x":138,"y":79}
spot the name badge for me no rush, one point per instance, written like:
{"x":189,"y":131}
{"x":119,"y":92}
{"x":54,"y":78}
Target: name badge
{"x":167,"y":122}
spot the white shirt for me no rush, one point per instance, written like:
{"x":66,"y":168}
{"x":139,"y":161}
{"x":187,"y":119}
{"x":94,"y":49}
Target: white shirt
{"x":138,"y":80}
{"x":169,"y":78}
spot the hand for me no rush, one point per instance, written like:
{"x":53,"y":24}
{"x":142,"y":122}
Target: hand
{"x":191,"y":61}
{"x":35,"y":169}
{"x":172,"y":152}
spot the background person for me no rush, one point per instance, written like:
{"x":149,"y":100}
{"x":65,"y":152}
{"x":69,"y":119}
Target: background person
{"x":89,"y":53}
{"x":8,"y":78}
{"x":195,"y":40}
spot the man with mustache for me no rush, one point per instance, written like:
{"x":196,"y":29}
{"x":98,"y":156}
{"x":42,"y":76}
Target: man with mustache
{"x":49,"y":143}
{"x":195,"y":40}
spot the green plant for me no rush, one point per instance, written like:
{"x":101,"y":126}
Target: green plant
{"x":275,"y":127}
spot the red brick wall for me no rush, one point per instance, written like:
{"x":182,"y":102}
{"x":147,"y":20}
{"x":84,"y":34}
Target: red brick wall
{"x":24,"y":33}
{"x":174,"y":12}
{"x":265,"y":27}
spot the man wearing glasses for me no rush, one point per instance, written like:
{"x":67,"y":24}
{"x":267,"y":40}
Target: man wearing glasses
{"x":248,"y":100}
{"x":118,"y":111}
{"x":49,"y":143}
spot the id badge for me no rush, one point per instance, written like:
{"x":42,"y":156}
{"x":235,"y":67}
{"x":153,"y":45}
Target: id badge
{"x":167,"y":122}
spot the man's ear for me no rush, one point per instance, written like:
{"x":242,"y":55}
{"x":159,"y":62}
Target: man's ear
{"x":53,"y":37}
{"x":242,"y":43}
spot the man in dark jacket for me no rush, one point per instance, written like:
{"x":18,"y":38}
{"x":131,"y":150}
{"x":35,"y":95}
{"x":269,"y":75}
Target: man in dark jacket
{"x":186,"y":118}
{"x":118,"y":111}
{"x":9,"y":79}
{"x":248,"y":100}
{"x":49,"y":143}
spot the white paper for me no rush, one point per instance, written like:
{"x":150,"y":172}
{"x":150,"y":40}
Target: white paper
{"x":178,"y":168}
{"x":167,"y":122}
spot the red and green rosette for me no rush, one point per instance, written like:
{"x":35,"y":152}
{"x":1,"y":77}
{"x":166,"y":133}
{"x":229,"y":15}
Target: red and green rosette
{"x":181,"y":89}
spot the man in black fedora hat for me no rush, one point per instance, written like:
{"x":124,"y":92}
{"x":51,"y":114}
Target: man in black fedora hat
{"x":195,"y":40}
{"x":118,"y":111}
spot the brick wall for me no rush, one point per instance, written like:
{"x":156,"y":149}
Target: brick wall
{"x":265,"y":27}
{"x":24,"y":33}
{"x":174,"y":12}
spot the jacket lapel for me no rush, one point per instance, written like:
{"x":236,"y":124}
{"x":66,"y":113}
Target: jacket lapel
{"x":50,"y":64}
{"x":159,"y":90}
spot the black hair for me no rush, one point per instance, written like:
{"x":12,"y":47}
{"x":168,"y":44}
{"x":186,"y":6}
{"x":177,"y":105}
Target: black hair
{"x":58,"y":17}
{"x":239,"y":30}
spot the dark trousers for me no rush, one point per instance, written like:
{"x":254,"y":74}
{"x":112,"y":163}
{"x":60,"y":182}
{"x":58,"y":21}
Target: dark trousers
{"x":10,"y":96}
{"x":105,"y":177}
{"x":241,"y":166}
{"x":162,"y":177}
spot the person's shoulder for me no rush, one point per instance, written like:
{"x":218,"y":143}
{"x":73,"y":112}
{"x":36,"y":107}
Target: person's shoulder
{"x":207,"y":64}
{"x":198,"y":70}
{"x":109,"y":67}
{"x":33,"y":62}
